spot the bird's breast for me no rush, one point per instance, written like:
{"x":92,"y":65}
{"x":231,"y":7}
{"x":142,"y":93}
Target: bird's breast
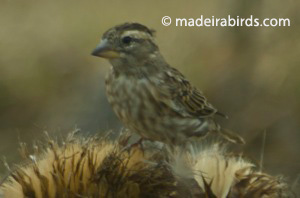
{"x":128,"y":97}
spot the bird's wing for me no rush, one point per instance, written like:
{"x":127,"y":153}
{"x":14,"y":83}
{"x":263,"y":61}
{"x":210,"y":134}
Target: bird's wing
{"x":177,"y":92}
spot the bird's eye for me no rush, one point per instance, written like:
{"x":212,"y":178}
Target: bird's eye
{"x":126,"y":39}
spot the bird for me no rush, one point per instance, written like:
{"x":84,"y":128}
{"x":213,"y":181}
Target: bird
{"x":150,"y":97}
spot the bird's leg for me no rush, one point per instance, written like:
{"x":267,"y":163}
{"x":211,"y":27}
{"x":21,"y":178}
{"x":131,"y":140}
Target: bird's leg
{"x":135,"y":144}
{"x":138,"y":143}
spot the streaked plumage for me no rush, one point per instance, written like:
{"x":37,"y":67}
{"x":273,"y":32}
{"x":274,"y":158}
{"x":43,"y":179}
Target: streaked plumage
{"x":149,"y":96}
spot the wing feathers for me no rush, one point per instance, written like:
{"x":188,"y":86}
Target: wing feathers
{"x":190,"y":100}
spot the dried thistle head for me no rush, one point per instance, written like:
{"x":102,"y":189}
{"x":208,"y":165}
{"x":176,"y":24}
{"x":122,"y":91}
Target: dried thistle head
{"x":58,"y":171}
{"x":90,"y":168}
{"x":96,"y":167}
{"x":224,"y":175}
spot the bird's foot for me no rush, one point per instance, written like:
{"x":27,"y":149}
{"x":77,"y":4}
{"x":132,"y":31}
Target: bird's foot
{"x":138,"y":143}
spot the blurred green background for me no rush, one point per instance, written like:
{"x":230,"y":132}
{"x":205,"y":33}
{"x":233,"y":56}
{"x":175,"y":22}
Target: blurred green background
{"x":50,"y":82}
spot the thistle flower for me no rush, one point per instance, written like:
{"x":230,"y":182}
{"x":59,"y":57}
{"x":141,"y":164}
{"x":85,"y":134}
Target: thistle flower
{"x":90,"y":167}
{"x":96,"y":167}
{"x":224,"y":175}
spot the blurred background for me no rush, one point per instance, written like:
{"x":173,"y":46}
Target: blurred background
{"x":50,"y":82}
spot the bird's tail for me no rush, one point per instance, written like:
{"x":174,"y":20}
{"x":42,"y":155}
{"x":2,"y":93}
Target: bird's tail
{"x":212,"y":126}
{"x":231,"y":136}
{"x":228,"y":134}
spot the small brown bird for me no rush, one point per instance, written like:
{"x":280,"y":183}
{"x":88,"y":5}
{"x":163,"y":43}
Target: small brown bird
{"x":149,"y":96}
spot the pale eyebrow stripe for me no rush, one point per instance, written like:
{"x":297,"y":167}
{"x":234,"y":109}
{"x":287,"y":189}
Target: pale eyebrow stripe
{"x":139,"y":34}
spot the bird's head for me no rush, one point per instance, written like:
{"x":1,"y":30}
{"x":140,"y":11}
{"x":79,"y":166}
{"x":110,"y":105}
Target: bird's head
{"x":128,"y":43}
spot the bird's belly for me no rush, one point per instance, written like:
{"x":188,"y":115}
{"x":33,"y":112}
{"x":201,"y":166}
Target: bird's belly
{"x":137,"y":109}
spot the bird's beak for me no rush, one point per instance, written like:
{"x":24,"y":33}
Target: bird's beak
{"x":105,"y":50}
